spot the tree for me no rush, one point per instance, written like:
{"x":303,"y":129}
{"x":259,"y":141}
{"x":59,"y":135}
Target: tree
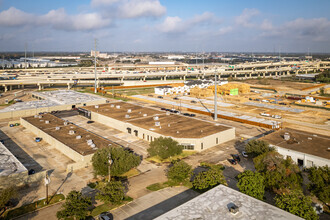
{"x":164,"y":147}
{"x":320,"y":182}
{"x":257,"y":147}
{"x":210,"y":178}
{"x":122,"y":159}
{"x":76,"y":205}
{"x":6,"y":194}
{"x":280,"y":174}
{"x":251,"y":184}
{"x":112,"y":191}
{"x":179,"y":172}
{"x":296,"y":203}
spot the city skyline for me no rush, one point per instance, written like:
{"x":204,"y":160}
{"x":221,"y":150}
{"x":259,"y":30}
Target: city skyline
{"x":152,"y":25}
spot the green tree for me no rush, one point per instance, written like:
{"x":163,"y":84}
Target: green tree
{"x":251,"y":184}
{"x":210,"y":178}
{"x":164,"y":147}
{"x":257,"y":147}
{"x":280,"y":174}
{"x":179,"y":172}
{"x":6,"y":194}
{"x":76,"y":206}
{"x":296,"y":203}
{"x":320,"y":182}
{"x":112,"y":191}
{"x":122,"y":159}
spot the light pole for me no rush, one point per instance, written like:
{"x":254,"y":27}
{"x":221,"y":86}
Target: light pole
{"x":110,"y":162}
{"x":215,"y":96}
{"x":47,"y":181}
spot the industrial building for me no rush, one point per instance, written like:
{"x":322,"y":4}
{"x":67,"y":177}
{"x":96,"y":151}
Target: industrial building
{"x":73,"y":141}
{"x":304,"y":148}
{"x":148,"y":124}
{"x":223,"y":202}
{"x":50,"y":101}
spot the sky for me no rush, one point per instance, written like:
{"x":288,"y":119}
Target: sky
{"x":166,"y":25}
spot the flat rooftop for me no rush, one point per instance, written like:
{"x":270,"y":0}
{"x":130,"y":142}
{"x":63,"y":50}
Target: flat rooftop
{"x":305,"y":142}
{"x":173,"y":125}
{"x":215,"y":203}
{"x":53,"y":98}
{"x":9,"y":164}
{"x":70,"y":140}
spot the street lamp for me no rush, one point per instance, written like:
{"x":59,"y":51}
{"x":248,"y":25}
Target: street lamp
{"x":110,"y":162}
{"x":47,"y":181}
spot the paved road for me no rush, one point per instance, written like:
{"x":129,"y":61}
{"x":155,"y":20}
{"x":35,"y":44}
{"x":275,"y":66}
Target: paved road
{"x":48,"y":213}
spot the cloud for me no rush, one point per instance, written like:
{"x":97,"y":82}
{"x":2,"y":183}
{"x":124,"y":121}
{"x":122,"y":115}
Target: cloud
{"x":245,"y":17}
{"x":177,"y":25}
{"x":57,"y":19}
{"x":225,"y":30}
{"x":315,"y":29}
{"x":130,"y":8}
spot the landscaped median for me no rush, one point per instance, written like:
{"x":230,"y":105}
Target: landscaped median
{"x":12,"y":213}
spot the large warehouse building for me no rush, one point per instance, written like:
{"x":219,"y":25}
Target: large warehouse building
{"x":148,"y":124}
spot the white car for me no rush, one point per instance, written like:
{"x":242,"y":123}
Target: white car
{"x":244,"y":154}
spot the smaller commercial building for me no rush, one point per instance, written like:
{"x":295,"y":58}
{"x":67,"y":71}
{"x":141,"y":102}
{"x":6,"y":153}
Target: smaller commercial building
{"x":71,"y":140}
{"x":304,"y":148}
{"x":222,"y":202}
{"x":149,"y":123}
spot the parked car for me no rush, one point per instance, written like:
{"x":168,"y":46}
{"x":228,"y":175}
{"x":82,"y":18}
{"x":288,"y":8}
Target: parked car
{"x":250,"y":98}
{"x":232,"y":161}
{"x":176,"y":98}
{"x":105,"y":216}
{"x":38,"y":139}
{"x":150,"y":95}
{"x":163,"y":109}
{"x":31,"y":171}
{"x":236,"y":157}
{"x":160,"y":97}
{"x":192,"y":115}
{"x":186,"y":114}
{"x":193,"y":101}
{"x":90,"y":122}
{"x":244,"y":154}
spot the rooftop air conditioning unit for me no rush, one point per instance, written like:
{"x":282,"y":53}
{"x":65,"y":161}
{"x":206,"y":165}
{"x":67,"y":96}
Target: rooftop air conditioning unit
{"x":127,"y":116}
{"x":156,"y":118}
{"x":66,"y":123}
{"x":57,"y":128}
{"x":89,"y":142}
{"x":71,"y":132}
{"x":40,"y":116}
{"x":78,"y":137}
{"x":145,"y":115}
{"x":129,"y":110}
{"x":46,"y":122}
{"x":157,"y":123}
{"x":118,"y":106}
{"x":36,"y":116}
{"x":168,"y":113}
{"x":286,"y":136}
{"x":112,"y":105}
{"x":96,"y":106}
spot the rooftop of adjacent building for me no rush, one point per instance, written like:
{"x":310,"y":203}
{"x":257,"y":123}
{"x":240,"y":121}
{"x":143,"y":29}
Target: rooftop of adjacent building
{"x":9,"y":164}
{"x":216,"y":204}
{"x":170,"y":124}
{"x":301,"y":141}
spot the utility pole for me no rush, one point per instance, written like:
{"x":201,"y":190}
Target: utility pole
{"x":215,"y":97}
{"x":47,"y":181}
{"x":110,"y":162}
{"x":25,"y":55}
{"x":95,"y":86}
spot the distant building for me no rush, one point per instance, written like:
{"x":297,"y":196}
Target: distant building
{"x":304,"y":148}
{"x":162,"y":63}
{"x":223,"y":202}
{"x":99,"y":55}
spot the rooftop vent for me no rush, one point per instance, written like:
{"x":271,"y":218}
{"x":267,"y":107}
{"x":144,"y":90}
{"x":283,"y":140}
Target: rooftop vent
{"x":177,"y":132}
{"x":36,"y":116}
{"x":46,"y":122}
{"x":71,"y":132}
{"x":127,"y":116}
{"x":90,"y":142}
{"x":96,"y":106}
{"x":66,"y":123}
{"x":286,"y":136}
{"x":157,"y":123}
{"x":309,"y":138}
{"x":118,"y":106}
{"x":233,"y":209}
{"x":78,"y":137}
{"x":129,"y":110}
{"x":145,"y":115}
{"x":169,"y":125}
{"x":40,"y":116}
{"x":112,"y":105}
{"x":156,"y":118}
{"x":57,"y":128}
